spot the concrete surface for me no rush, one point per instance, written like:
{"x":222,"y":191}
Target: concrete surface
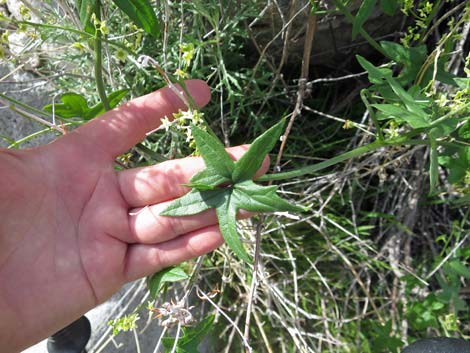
{"x":123,"y":302}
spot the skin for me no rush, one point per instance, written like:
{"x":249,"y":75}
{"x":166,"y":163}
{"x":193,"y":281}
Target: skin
{"x":74,"y":230}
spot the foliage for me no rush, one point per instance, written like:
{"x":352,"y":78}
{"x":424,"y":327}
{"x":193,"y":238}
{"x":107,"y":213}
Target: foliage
{"x":240,"y":193}
{"x":379,"y":153}
{"x":191,"y":337}
{"x":168,"y":275}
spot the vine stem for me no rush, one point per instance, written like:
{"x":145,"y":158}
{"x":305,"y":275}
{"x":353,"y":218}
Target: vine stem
{"x":26,"y":114}
{"x":364,"y":97}
{"x":311,"y":27}
{"x":98,"y":60}
{"x":342,"y":157}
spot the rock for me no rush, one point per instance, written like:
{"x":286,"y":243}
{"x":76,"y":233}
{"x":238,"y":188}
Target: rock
{"x":17,"y":9}
{"x":20,"y":42}
{"x":28,"y":89}
{"x":122,"y":303}
{"x":333,"y":46}
{"x":439,"y":345}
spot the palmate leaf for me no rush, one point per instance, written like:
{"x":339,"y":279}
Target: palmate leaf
{"x":207,"y":179}
{"x":239,"y":193}
{"x":256,"y":198}
{"x":251,"y":161}
{"x":213,"y":152}
{"x":226,"y":214}
{"x":195,"y":202}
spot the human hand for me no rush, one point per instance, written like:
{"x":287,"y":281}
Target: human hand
{"x":74,"y":230}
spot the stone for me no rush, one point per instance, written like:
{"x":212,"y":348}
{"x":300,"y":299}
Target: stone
{"x":28,"y":89}
{"x":439,"y":345}
{"x":333,"y":46}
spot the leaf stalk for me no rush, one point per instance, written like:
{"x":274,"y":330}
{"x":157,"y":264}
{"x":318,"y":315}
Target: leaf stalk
{"x":98,"y":60}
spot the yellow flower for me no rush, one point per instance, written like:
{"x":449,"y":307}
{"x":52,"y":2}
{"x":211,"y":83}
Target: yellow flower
{"x":188,"y":51}
{"x":24,"y":12}
{"x":78,"y":45}
{"x":180,"y":73}
{"x":348,"y":124}
{"x":4,"y":37}
{"x":121,"y":54}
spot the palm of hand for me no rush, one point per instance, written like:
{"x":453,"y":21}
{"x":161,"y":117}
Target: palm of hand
{"x":67,"y":241}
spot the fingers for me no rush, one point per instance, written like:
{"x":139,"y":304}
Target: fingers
{"x":163,"y":182}
{"x":119,"y":129}
{"x":143,"y":260}
{"x":148,"y":227}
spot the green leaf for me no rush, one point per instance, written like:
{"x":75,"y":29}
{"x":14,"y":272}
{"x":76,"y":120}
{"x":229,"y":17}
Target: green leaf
{"x":170,"y":274}
{"x":389,"y":7}
{"x":459,"y":268}
{"x":142,"y":14}
{"x":408,"y":56}
{"x":213,"y":152}
{"x":457,"y":161}
{"x":445,"y":128}
{"x":195,"y":202}
{"x":462,"y":82}
{"x":415,"y":121}
{"x":255,"y":198}
{"x":408,"y":100}
{"x":376,"y":74}
{"x":250,"y":162}
{"x":85,"y":10}
{"x":207,"y":179}
{"x":364,"y":12}
{"x":191,"y":337}
{"x":75,"y":106}
{"x":226,"y":214}
{"x":464,"y":131}
{"x":113,"y":100}
{"x":196,"y":334}
{"x":241,"y":191}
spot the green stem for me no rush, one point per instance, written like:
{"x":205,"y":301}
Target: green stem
{"x":156,"y":157}
{"x":98,"y":60}
{"x":363,"y":33}
{"x":192,"y":103}
{"x":17,"y":143}
{"x":44,"y":25}
{"x":24,"y":106}
{"x":364,"y":98}
{"x":449,"y":115}
{"x":342,"y":157}
{"x":67,"y":29}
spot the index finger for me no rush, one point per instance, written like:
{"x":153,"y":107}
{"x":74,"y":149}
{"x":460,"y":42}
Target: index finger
{"x":118,"y":130}
{"x":165,"y":181}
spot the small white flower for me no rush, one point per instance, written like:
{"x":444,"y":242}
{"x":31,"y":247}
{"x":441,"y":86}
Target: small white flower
{"x":189,"y":135}
{"x":165,"y":123}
